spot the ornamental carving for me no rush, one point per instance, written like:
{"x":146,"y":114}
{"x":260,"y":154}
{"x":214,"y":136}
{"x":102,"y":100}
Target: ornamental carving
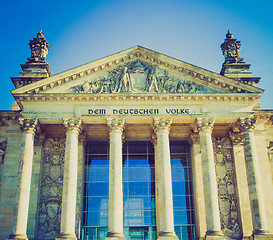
{"x":205,"y":123}
{"x":39,"y":49}
{"x":194,"y":138}
{"x":226,"y":181}
{"x":51,"y":186}
{"x":115,"y":124}
{"x":246,"y":124}
{"x":162,"y":124}
{"x":231,"y":48}
{"x":139,"y":77}
{"x":72,"y":124}
{"x":3,"y":147}
{"x":39,"y":139}
{"x":28,"y":125}
{"x":236,"y":138}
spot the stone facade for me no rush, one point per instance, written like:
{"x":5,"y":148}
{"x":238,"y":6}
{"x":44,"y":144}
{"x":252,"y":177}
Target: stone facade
{"x":136,"y":95}
{"x":226,"y":180}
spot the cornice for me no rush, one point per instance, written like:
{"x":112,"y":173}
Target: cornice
{"x":224,"y":97}
{"x":203,"y":76}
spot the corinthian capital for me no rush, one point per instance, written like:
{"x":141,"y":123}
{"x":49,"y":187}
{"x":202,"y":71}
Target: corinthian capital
{"x":205,"y":124}
{"x":194,"y":138}
{"x":28,"y":125}
{"x":246,"y":124}
{"x":116,"y":124}
{"x":162,"y":124}
{"x":72,"y":124}
{"x":236,"y":138}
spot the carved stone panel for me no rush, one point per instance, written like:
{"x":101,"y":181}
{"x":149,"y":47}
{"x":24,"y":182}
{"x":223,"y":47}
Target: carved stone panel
{"x":224,"y":164}
{"x":49,"y":209}
{"x":139,"y":77}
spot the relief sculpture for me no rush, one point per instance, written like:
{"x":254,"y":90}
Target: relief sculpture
{"x":49,"y":209}
{"x":226,"y":187}
{"x":139,"y":77}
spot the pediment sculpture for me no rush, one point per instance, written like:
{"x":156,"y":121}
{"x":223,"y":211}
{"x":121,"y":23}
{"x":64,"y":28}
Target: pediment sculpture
{"x":139,"y":77}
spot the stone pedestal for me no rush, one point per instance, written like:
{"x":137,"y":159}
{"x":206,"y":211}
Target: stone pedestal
{"x":262,"y":237}
{"x":115,"y":211}
{"x":204,"y":126}
{"x":28,"y":127}
{"x":246,"y":126}
{"x":164,"y":199}
{"x":73,"y":127}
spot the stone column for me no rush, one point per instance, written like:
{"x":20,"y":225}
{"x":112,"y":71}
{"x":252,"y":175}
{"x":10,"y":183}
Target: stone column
{"x":154,"y":142}
{"x":241,"y":183}
{"x":28,"y":127}
{"x":246,"y":126}
{"x":115,"y":211}
{"x":199,"y":199}
{"x":69,"y":197}
{"x":164,"y":195}
{"x":80,"y":176}
{"x":204,"y":126}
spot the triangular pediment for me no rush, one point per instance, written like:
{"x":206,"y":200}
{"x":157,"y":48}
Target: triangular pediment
{"x":136,"y":71}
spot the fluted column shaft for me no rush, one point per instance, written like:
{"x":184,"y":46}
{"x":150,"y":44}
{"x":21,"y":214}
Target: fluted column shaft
{"x":115,"y":211}
{"x":204,"y":126}
{"x":28,"y":127}
{"x":246,"y":126}
{"x":154,"y":142}
{"x":69,"y":197}
{"x":164,"y":194}
{"x":199,"y":203}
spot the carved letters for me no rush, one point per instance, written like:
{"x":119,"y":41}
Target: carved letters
{"x":139,"y":77}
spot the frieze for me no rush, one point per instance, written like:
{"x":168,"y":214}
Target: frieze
{"x":3,"y":147}
{"x":226,"y":182}
{"x":49,"y":209}
{"x":139,"y":77}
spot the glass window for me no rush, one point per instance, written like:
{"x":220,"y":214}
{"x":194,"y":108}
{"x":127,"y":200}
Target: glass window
{"x":182,"y":190}
{"x":95,"y":199}
{"x":138,"y":191}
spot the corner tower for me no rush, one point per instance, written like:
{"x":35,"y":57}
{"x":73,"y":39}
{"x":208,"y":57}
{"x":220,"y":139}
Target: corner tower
{"x":234,"y":66}
{"x":36,"y":67}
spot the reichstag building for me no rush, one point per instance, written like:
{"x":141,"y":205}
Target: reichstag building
{"x":137,"y":145}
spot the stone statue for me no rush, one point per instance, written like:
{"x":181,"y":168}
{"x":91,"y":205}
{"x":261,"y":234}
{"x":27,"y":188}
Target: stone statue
{"x":125,"y":84}
{"x":152,"y":83}
{"x":86,"y":87}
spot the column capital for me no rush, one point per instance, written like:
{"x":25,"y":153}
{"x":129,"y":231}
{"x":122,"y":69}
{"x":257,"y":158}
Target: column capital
{"x":194,"y":138}
{"x":73,"y":124}
{"x":162,"y":124}
{"x":116,"y":124}
{"x":205,"y":124}
{"x":28,"y":125}
{"x":246,"y":124}
{"x":236,"y":138}
{"x":82,"y":137}
{"x":154,"y":139}
{"x":39,"y":139}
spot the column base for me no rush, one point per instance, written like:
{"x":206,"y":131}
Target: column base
{"x":262,"y":235}
{"x":18,"y":236}
{"x":167,"y":236}
{"x":216,"y":238}
{"x":66,"y":236}
{"x":215,"y":235}
{"x":115,"y":236}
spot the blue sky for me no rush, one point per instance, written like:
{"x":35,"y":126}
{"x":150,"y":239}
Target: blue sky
{"x":190,"y":30}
